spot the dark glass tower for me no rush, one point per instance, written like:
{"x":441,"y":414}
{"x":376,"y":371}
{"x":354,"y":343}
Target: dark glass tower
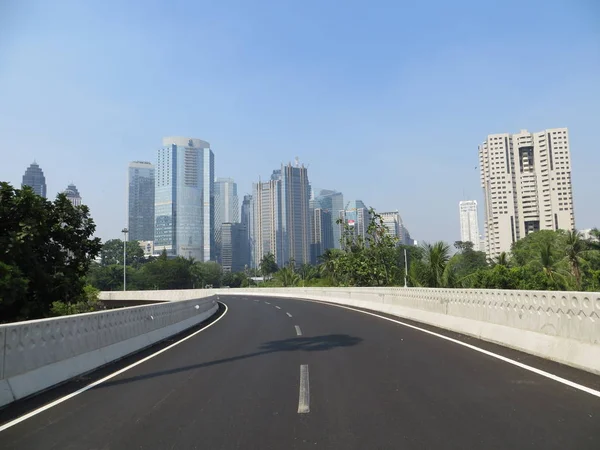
{"x":34,"y":177}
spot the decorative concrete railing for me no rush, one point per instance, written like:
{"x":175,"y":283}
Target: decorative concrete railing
{"x":38,"y":354}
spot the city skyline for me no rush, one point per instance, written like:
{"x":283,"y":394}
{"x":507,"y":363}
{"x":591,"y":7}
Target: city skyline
{"x":377,"y":115}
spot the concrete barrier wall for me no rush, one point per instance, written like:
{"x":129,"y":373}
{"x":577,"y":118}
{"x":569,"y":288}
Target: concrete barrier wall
{"x":561,"y":326}
{"x":38,"y":354}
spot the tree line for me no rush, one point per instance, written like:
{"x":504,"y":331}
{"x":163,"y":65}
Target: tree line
{"x":50,"y":263}
{"x":544,"y":260}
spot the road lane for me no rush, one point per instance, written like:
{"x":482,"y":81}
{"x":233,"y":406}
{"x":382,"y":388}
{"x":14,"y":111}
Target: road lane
{"x":373,"y":384}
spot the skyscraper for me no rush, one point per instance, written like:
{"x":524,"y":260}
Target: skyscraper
{"x":34,"y":178}
{"x":247,"y":221}
{"x":392,"y":221}
{"x":356,"y":216}
{"x":184,"y":201}
{"x":332,"y":202}
{"x":469,"y":224}
{"x":226,"y":207}
{"x":282,"y":216}
{"x":526,"y":180}
{"x":234,"y":247}
{"x":266,"y":210}
{"x":73,"y":195}
{"x":321,"y":233}
{"x":140,"y":204}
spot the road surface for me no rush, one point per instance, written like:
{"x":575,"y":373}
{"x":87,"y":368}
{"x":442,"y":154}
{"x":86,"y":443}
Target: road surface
{"x":274,"y":373}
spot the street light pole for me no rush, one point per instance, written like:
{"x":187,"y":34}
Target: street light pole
{"x":125,"y":231}
{"x":405,"y":269}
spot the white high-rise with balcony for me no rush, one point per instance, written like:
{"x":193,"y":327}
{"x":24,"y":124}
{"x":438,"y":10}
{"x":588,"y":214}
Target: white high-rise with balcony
{"x":526,"y":180}
{"x":469,"y":224}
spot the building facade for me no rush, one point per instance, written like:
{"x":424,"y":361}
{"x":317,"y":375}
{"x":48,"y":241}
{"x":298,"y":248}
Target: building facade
{"x":282,"y":216}
{"x":332,"y":202}
{"x":226,"y":208}
{"x":357,"y":217}
{"x":247,"y":221}
{"x":266,"y":209}
{"x":184,"y":199}
{"x":321,"y":233}
{"x":393,"y":222}
{"x":73,"y":195}
{"x":469,"y":223}
{"x":234,"y":247}
{"x":140,"y":201}
{"x":526,"y":181}
{"x":35,"y":179}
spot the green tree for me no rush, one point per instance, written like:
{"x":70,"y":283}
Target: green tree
{"x":268,"y":265}
{"x":575,"y":250}
{"x":287,"y":277}
{"x":206,"y":274}
{"x":46,"y":246}
{"x":431,"y":270}
{"x":112,"y":253}
{"x":307,"y":272}
{"x":164,"y":273}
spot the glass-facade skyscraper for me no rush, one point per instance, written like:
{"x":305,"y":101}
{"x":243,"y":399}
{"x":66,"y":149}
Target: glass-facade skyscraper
{"x":330,"y":202}
{"x":34,"y":178}
{"x":227,"y":208}
{"x":140,"y":208}
{"x":184,"y":199}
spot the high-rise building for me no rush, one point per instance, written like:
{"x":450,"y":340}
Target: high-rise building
{"x":140,"y":205}
{"x":247,"y":221}
{"x":469,"y":223}
{"x":34,"y":178}
{"x":73,"y":195}
{"x":184,"y":200}
{"x":526,"y":180}
{"x":234,"y":247}
{"x":393,"y":222}
{"x":321,"y":233}
{"x":356,"y":216}
{"x":332,"y":202}
{"x":226,"y":207}
{"x":266,"y":207}
{"x":282,"y":216}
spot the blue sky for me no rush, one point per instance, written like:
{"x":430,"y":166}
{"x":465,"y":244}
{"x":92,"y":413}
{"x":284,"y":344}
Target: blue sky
{"x":385,"y":101}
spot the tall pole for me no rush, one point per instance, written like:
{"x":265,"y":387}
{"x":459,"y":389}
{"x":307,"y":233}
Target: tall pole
{"x":405,"y":269}
{"x":125,"y":231}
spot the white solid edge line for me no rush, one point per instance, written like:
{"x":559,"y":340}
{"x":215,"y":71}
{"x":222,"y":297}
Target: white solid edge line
{"x":304,"y":395}
{"x":278,"y":307}
{"x":298,"y":331}
{"x":477,"y":349}
{"x":102,"y":380}
{"x":289,"y":315}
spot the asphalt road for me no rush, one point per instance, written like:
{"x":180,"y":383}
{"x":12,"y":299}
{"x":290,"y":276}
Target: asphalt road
{"x":366,"y":383}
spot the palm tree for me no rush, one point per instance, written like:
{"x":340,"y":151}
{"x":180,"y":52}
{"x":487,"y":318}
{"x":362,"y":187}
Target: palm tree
{"x":287,"y":277}
{"x":435,"y":260}
{"x":548,"y":264}
{"x":328,"y":266}
{"x":501,"y":260}
{"x":307,"y":272}
{"x":575,"y":250}
{"x":268,"y":265}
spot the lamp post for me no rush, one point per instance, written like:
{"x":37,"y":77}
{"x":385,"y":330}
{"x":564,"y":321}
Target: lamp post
{"x":405,"y":269}
{"x":125,"y":231}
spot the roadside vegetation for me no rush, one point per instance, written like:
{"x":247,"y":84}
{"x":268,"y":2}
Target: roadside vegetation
{"x":50,"y":263}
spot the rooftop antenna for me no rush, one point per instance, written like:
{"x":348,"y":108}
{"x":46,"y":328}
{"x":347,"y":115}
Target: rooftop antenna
{"x":297,"y":162}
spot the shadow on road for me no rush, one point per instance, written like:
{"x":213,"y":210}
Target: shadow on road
{"x":304,"y":344}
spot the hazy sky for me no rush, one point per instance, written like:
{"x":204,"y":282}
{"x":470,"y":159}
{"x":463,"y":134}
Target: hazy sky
{"x":385,"y":101}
